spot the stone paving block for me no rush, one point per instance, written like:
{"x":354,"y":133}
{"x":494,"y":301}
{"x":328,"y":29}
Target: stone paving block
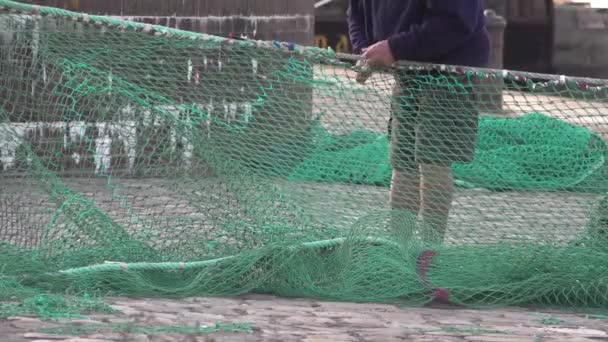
{"x":127,"y":310}
{"x":453,"y":321}
{"x":341,"y":314}
{"x":166,"y":338}
{"x":306,"y":320}
{"x":285,"y":308}
{"x":499,"y":338}
{"x":365,"y":323}
{"x":302,"y":320}
{"x":330,"y":338}
{"x":583,"y":332}
{"x":139,"y":338}
{"x":215,"y":338}
{"x":414,"y":328}
{"x":202,"y":318}
{"x":384,"y":338}
{"x":385,"y":333}
{"x":422,"y":338}
{"x":254,"y":312}
{"x":20,"y":318}
{"x":30,"y":324}
{"x":283,"y":332}
{"x":512,"y":329}
{"x":41,"y":336}
{"x":568,"y":339}
{"x":448,"y":333}
{"x":117,"y":337}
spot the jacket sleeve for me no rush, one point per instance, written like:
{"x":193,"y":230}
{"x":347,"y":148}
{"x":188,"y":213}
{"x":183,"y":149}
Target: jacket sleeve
{"x":356,"y":26}
{"x":446,"y":24}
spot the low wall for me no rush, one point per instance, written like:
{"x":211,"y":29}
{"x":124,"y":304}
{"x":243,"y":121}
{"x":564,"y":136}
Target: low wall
{"x":36,"y":119}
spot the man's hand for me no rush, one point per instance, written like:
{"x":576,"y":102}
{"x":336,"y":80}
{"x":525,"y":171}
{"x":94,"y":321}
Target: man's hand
{"x":365,"y":72}
{"x":379,"y":54}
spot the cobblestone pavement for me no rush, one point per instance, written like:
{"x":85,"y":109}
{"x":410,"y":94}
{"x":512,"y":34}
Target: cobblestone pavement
{"x":265,"y":318}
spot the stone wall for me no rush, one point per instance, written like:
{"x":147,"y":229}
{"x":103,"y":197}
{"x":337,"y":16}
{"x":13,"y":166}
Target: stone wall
{"x":581,"y":42}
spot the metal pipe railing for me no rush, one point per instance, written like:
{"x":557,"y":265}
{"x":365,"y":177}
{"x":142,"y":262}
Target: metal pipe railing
{"x":506,"y":75}
{"x":536,"y":81}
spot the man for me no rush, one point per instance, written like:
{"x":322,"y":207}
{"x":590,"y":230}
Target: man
{"x":433,"y":119}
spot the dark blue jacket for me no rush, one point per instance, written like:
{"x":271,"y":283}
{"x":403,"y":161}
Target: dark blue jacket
{"x":432,"y":31}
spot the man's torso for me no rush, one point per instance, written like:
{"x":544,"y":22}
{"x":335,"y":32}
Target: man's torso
{"x":385,"y":18}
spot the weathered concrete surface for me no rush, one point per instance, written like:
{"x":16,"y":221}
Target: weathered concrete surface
{"x":275,"y":319}
{"x":478,"y":215}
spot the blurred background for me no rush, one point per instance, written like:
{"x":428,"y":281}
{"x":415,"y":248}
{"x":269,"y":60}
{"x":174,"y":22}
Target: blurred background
{"x":564,"y":37}
{"x":551,"y":36}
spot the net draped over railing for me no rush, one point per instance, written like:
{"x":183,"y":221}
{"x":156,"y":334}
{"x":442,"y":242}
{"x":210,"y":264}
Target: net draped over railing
{"x":142,"y":160}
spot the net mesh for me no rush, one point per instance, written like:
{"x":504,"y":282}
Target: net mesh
{"x":144,"y":161}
